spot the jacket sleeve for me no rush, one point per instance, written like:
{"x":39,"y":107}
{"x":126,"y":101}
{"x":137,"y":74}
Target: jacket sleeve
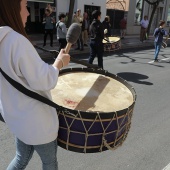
{"x":31,"y":68}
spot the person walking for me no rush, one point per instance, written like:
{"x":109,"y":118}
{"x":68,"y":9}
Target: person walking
{"x":34,"y":124}
{"x":158,"y":34}
{"x":123,"y":24}
{"x":80,"y":45}
{"x":107,"y":26}
{"x":48,"y":20}
{"x":144,"y":26}
{"x":96,"y":39}
{"x":85,"y":29}
{"x":61,"y":31}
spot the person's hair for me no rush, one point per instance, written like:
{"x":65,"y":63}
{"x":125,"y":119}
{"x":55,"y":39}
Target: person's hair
{"x":10,"y":15}
{"x":96,"y":13}
{"x":61,"y":16}
{"x":161,"y":22}
{"x":106,"y":18}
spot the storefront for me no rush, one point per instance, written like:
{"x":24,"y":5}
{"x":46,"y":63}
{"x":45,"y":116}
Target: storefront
{"x":116,"y":10}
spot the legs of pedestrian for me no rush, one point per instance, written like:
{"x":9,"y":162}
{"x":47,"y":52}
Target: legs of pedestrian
{"x":24,"y":153}
{"x":157,"y":50}
{"x":62,"y":43}
{"x":45,"y":37}
{"x":47,"y":153}
{"x":51,"y":37}
{"x":100,"y":55}
{"x":92,"y":52}
{"x":85,"y":37}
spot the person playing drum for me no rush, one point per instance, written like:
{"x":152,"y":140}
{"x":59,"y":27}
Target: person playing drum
{"x":34,"y":124}
{"x":96,"y":38}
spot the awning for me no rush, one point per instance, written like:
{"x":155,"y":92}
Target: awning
{"x":117,"y":4}
{"x":43,"y":1}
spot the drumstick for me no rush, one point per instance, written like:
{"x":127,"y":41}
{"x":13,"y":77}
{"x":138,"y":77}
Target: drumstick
{"x":108,"y":40}
{"x":72,"y":36}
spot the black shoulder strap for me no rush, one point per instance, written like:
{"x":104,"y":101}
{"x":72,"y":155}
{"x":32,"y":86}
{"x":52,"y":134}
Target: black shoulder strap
{"x":58,"y":25}
{"x":30,"y":93}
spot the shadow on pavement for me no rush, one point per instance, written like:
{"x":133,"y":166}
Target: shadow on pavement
{"x":135,"y":77}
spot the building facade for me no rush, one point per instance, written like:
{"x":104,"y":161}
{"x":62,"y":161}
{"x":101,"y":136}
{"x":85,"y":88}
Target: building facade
{"x":141,"y":8}
{"x":132,"y":10}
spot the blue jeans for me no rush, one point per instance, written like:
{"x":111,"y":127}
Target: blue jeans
{"x":24,"y":152}
{"x":157,"y":49}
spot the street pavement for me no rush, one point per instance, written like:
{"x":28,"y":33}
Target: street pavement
{"x":129,"y":42}
{"x":147,"y":144}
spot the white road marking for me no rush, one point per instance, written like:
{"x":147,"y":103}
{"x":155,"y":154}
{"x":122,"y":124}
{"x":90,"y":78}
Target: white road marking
{"x":167,"y":167}
{"x":164,"y":59}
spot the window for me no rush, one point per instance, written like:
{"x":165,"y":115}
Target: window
{"x":138,"y":11}
{"x":168,"y":17}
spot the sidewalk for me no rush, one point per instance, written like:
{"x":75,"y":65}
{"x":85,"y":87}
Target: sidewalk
{"x":130,"y":41}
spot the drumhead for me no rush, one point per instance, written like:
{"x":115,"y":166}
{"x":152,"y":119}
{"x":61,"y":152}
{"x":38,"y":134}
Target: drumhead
{"x":111,"y":39}
{"x":88,"y":91}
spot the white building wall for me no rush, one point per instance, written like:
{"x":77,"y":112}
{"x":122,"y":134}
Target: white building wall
{"x":63,"y":6}
{"x":101,"y":3}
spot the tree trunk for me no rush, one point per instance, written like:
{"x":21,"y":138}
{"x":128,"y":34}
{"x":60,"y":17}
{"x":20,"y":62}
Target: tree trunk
{"x":70,"y":14}
{"x":151,"y":18}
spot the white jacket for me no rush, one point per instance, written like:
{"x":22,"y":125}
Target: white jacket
{"x":29,"y":120}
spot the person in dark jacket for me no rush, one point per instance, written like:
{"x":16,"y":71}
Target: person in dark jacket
{"x":158,"y":34}
{"x":96,"y":37}
{"x":107,"y":25}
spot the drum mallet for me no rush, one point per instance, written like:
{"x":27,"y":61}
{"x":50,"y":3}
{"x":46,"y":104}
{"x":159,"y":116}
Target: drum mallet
{"x":72,"y":36}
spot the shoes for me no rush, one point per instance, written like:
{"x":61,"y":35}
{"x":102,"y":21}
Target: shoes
{"x":51,"y":45}
{"x":156,"y":60}
{"x":85,"y":45}
{"x":77,"y":48}
{"x":122,"y":37}
{"x":44,"y":45}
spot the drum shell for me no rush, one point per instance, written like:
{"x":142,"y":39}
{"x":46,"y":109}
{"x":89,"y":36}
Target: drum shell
{"x":112,"y":46}
{"x":85,"y":132}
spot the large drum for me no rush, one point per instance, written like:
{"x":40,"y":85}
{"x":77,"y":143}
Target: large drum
{"x":97,"y":112}
{"x":112,"y":43}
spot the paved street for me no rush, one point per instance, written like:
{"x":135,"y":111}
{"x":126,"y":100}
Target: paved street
{"x":147,"y":146}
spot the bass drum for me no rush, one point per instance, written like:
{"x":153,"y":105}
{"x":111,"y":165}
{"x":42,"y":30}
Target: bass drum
{"x":112,"y":43}
{"x":97,"y":112}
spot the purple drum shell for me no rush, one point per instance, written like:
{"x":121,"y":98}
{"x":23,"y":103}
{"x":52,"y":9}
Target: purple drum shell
{"x":111,"y":127}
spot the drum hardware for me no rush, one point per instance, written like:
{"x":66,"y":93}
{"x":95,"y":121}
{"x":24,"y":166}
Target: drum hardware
{"x":164,"y":43}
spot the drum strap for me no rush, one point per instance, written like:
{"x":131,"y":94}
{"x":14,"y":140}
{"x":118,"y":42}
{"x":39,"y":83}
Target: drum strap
{"x":29,"y":93}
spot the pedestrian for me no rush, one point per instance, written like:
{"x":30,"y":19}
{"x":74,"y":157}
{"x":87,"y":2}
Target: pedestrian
{"x":123,"y":24}
{"x":107,"y":26}
{"x":48,"y":22}
{"x":33,"y":123}
{"x":85,"y":29}
{"x":96,"y":39}
{"x":144,"y":26}
{"x":61,"y":31}
{"x":79,"y":20}
{"x":158,"y":34}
